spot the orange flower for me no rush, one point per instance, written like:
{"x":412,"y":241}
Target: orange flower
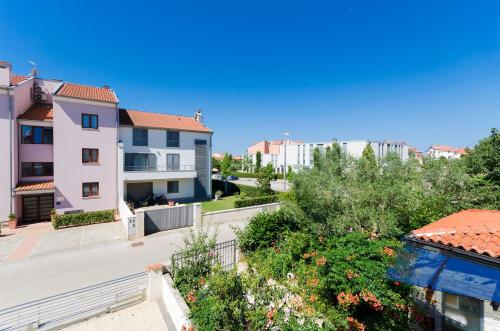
{"x":313,"y":298}
{"x":347,"y":299}
{"x":397,"y":283}
{"x":270,"y":314}
{"x":351,"y":274}
{"x":313,"y":282}
{"x":372,"y":300}
{"x":388,"y":251}
{"x":314,"y":253}
{"x":202,"y":281}
{"x":305,"y":256}
{"x":354,"y":323}
{"x":191,"y":297}
{"x":321,"y":261}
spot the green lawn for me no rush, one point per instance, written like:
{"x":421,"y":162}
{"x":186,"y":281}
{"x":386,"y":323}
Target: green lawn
{"x":221,"y":204}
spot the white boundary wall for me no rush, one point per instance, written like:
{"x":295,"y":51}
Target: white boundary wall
{"x":237,"y":214}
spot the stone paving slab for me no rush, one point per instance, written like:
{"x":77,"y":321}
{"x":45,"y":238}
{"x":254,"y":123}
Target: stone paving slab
{"x":146,"y":316}
{"x":64,"y":239}
{"x":8,"y":244}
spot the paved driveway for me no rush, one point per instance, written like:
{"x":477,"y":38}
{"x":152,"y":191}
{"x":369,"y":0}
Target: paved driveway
{"x":41,"y":238}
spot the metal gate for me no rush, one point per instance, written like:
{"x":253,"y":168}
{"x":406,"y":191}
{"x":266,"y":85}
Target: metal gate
{"x":37,"y":208}
{"x":167,"y":218}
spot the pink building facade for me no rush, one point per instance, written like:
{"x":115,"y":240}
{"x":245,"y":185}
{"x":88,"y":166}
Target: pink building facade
{"x":61,"y":149}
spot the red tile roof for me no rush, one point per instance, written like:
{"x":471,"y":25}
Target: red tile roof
{"x":72,"y":90}
{"x":160,"y":121}
{"x":38,"y":112}
{"x":448,"y":149}
{"x":17,"y":79}
{"x":35,"y":186}
{"x":472,"y":230}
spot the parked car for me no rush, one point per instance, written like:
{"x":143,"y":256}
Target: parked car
{"x":232,"y":177}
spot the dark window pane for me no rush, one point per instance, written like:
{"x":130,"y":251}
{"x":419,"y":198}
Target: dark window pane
{"x":94,"y":155}
{"x":86,"y":190}
{"x":26,"y":169}
{"x":85,"y":121}
{"x":140,"y":137}
{"x":47,"y":136}
{"x":173,"y":187}
{"x":94,"y":122}
{"x":37,"y":135}
{"x":172,"y":138}
{"x":95,"y":189}
{"x":85,"y":155}
{"x":38,"y":169}
{"x":49,"y":169}
{"x":27,"y":134}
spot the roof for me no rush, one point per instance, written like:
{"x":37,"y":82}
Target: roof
{"x":86,"y":92}
{"x":161,"y":121}
{"x":17,"y":79}
{"x":473,"y":230}
{"x":450,"y":149}
{"x":38,"y":112}
{"x":35,"y":186}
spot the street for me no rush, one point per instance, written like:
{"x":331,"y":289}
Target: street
{"x":38,"y":277}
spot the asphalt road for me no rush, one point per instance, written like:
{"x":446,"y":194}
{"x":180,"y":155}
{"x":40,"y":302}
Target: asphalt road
{"x":38,"y":277}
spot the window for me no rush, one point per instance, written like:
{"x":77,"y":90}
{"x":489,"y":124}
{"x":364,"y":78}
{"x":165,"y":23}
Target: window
{"x":90,"y":155}
{"x":173,"y":161}
{"x":173,"y":187}
{"x":37,"y":169}
{"x":90,"y":121}
{"x":90,"y":190}
{"x":36,"y":135}
{"x":140,"y":137}
{"x":173,"y":138}
{"x":461,"y":312}
{"x":140,"y":162}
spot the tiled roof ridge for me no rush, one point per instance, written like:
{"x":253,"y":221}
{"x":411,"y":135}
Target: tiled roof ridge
{"x":156,"y":113}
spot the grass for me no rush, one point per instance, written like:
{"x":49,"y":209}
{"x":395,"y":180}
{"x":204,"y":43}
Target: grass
{"x":221,"y":204}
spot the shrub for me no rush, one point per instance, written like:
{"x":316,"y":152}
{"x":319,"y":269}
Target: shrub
{"x":92,"y":217}
{"x":255,"y":201}
{"x":248,"y":191}
{"x":264,"y":229}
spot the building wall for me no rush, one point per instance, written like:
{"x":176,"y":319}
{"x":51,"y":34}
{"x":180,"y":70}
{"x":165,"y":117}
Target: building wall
{"x":69,"y":139}
{"x":300,"y":155}
{"x":4,"y":155}
{"x":157,"y":144}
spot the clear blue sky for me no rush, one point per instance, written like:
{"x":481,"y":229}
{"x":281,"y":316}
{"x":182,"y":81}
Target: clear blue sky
{"x":426,"y":72}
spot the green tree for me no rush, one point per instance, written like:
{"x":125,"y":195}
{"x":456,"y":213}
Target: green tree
{"x":266,"y":175}
{"x":258,"y":161}
{"x":215,"y":163}
{"x":484,"y":159}
{"x":317,"y":158}
{"x":369,"y":156}
{"x":247,"y":163}
{"x":226,"y":165}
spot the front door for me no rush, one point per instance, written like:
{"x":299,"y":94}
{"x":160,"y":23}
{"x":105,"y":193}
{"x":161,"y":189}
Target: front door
{"x":36,"y":208}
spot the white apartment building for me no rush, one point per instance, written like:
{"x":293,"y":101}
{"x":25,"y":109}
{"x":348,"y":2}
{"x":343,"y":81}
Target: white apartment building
{"x":448,"y":152}
{"x":299,"y":155}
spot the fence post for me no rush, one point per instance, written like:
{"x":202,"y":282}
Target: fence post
{"x":155,"y":275}
{"x":139,"y":223}
{"x":197,"y":223}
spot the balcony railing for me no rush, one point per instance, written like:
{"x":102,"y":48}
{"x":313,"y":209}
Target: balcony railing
{"x":159,"y":168}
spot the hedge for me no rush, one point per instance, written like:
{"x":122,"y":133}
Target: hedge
{"x":255,"y":201}
{"x":255,"y":175}
{"x":92,"y":217}
{"x":232,"y":188}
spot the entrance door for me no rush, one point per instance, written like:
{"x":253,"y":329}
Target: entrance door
{"x":202,"y":162}
{"x":139,"y":191}
{"x":36,"y":208}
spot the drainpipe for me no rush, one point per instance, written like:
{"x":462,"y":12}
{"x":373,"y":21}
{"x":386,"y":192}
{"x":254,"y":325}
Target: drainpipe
{"x":10,"y":152}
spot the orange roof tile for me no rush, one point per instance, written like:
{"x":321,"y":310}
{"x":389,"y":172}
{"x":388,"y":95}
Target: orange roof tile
{"x":160,"y":121}
{"x":35,"y":186}
{"x":448,"y":149}
{"x":17,"y":79}
{"x":38,"y":112}
{"x":471,"y":230}
{"x":72,"y":90}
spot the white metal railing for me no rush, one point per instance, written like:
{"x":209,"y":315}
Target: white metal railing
{"x":67,"y":308}
{"x":159,"y":168}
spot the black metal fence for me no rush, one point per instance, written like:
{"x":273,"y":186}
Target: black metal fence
{"x":67,"y":308}
{"x":223,"y":253}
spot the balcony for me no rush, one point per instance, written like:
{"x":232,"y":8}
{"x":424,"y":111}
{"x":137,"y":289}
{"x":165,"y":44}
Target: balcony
{"x":151,"y":172}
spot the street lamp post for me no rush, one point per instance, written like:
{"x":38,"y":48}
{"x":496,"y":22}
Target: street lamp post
{"x":285,"y":135}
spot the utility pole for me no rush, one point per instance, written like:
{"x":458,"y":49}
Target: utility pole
{"x":285,"y":135}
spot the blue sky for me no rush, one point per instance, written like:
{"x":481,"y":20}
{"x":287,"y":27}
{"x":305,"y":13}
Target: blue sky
{"x":426,"y":72}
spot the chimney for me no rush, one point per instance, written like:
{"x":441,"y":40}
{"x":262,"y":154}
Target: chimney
{"x":198,"y":116}
{"x":5,"y":73}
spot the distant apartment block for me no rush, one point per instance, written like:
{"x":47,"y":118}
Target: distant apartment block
{"x":71,"y":147}
{"x":299,"y":155}
{"x":448,"y":152}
